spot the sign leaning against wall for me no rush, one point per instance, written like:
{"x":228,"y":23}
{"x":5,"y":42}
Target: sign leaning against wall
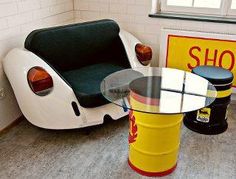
{"x":186,"y":50}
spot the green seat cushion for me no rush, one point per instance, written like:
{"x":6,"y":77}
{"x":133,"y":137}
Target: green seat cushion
{"x":86,"y":83}
{"x":78,"y":45}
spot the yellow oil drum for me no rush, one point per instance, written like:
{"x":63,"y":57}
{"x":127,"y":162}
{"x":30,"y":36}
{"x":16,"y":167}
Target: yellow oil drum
{"x":154,"y":139}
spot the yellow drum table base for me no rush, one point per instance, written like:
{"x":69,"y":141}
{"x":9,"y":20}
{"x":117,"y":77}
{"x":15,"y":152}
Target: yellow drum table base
{"x":154,"y":143}
{"x":156,"y":103}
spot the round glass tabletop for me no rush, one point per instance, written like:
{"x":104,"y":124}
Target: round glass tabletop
{"x":158,"y":90}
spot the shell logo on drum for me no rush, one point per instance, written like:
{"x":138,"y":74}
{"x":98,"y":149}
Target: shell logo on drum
{"x":203,"y":115}
{"x":133,"y":130}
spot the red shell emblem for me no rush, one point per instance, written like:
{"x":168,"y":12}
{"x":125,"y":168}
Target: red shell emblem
{"x":133,"y":128}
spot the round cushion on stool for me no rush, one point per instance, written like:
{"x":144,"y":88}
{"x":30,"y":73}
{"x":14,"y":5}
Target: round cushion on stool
{"x":212,"y":119}
{"x":215,"y":75}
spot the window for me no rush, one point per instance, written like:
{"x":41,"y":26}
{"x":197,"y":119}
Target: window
{"x":205,"y":7}
{"x":233,"y":5}
{"x":232,"y":9}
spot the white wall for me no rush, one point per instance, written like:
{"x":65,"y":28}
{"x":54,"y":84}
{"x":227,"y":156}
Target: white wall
{"x":17,"y":19}
{"x":132,"y":15}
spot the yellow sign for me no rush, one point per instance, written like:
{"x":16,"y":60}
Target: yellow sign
{"x":186,"y":53}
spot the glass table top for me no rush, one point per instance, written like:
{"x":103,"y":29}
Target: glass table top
{"x":158,"y":90}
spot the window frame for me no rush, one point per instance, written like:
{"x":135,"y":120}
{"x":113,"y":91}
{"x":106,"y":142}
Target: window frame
{"x":224,"y":10}
{"x":231,"y":12}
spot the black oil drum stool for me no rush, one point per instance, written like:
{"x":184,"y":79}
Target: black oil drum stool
{"x":212,"y":119}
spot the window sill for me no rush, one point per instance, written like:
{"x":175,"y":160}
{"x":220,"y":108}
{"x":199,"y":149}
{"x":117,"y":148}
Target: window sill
{"x":194,"y":17}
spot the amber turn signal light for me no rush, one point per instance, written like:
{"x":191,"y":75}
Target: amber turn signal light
{"x":40,"y":81}
{"x":143,"y":53}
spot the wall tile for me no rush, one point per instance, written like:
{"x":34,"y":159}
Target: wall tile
{"x":17,"y":19}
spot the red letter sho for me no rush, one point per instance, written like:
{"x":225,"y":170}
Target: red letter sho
{"x":194,"y":57}
{"x":207,"y":59}
{"x":232,"y":59}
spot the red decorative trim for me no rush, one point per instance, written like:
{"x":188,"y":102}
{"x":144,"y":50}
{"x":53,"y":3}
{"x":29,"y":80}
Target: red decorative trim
{"x":133,"y":132}
{"x":152,"y":174}
{"x":203,"y":38}
{"x":145,"y":100}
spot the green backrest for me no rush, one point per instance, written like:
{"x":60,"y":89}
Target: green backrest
{"x":73,"y":46}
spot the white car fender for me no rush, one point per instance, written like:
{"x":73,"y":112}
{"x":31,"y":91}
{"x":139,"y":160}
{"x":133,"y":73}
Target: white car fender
{"x":53,"y":111}
{"x":129,"y":42}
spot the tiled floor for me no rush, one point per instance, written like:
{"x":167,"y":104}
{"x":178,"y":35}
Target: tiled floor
{"x":101,"y":152}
